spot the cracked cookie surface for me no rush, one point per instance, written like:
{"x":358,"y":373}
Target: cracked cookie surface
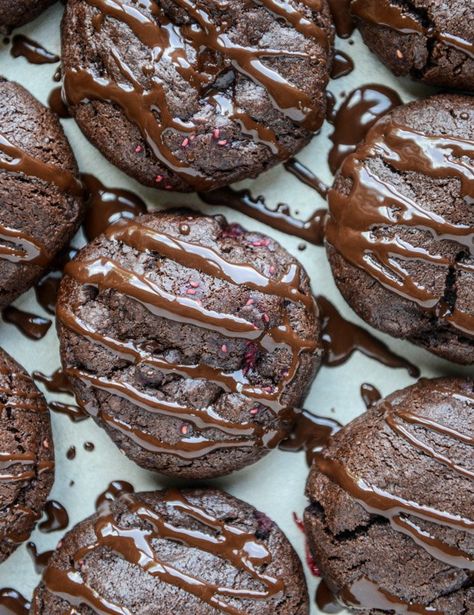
{"x":190,"y":340}
{"x":26,"y":455}
{"x":401,"y":227}
{"x":391,"y":501}
{"x":429,"y":40}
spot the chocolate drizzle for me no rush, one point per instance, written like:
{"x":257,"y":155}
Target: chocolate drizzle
{"x":33,"y":326}
{"x":57,"y":105}
{"x":107,"y":205}
{"x":115,"y":490}
{"x":369,"y":394}
{"x":342,"y":65}
{"x":31,"y":51}
{"x":243,"y":550}
{"x":341,"y":338}
{"x":311,"y":433}
{"x":40,"y":560}
{"x":146,"y":106}
{"x":357,"y":114}
{"x":391,"y":15}
{"x":56,"y":518}
{"x":104,"y":273}
{"x":373,"y":202}
{"x":13,"y":603}
{"x":341,"y":12}
{"x":311,"y":230}
{"x":58,"y":382}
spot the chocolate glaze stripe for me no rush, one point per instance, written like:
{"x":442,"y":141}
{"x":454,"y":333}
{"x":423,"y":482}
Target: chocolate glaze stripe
{"x":27,"y":248}
{"x":392,"y":15}
{"x":208,"y":261}
{"x":228,"y":542}
{"x":371,"y":203}
{"x":13,"y":603}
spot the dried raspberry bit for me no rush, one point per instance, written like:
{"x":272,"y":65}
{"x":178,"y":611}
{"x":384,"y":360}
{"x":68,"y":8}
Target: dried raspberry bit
{"x":168,"y":187}
{"x":216,"y":133}
{"x":254,"y":411}
{"x":309,"y":558}
{"x":184,"y":429}
{"x":158,"y":179}
{"x":185,"y":142}
{"x":138,"y":149}
{"x":222,"y":142}
{"x":194,"y":284}
{"x":264,"y":525}
{"x":191,"y":291}
{"x":272,"y":269}
{"x":224,"y":348}
{"x":399,"y":54}
{"x":268,"y":389}
{"x":232,"y":231}
{"x":265,"y":317}
{"x":261,"y":243}
{"x":250,"y":358}
{"x":250,"y":301}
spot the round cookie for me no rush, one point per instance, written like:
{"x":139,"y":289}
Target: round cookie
{"x":40,"y":196}
{"x":390,"y":521}
{"x":190,"y":340}
{"x":26,"y":455}
{"x":188,"y":95}
{"x":172,"y":553}
{"x":401,"y":226}
{"x":17,"y":13}
{"x":429,"y":40}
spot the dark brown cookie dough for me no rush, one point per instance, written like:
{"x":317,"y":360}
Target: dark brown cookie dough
{"x":401,"y":226}
{"x":26,"y":455}
{"x":15,"y":13}
{"x":429,"y":40}
{"x":189,"y":340}
{"x":40,"y":197}
{"x":390,"y":521}
{"x":172,"y":553}
{"x":188,"y":95}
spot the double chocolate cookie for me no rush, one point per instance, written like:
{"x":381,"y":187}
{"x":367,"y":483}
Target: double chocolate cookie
{"x":40,"y":195}
{"x":432,"y":41}
{"x":400,"y":235}
{"x":190,"y":340}
{"x":26,"y":455}
{"x":15,"y":13}
{"x":172,"y":553}
{"x":390,"y":521}
{"x":192,"y":95}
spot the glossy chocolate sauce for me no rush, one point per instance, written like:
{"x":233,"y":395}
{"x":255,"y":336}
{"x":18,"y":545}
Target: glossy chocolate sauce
{"x":326,"y":600}
{"x":357,"y":114}
{"x":305,"y":175}
{"x":58,"y":383}
{"x":13,"y":603}
{"x":370,"y":394}
{"x":342,"y":65}
{"x":311,"y":230}
{"x":241,"y":549}
{"x":311,"y":433}
{"x":108,"y":205}
{"x":31,"y":51}
{"x":115,"y":490}
{"x":404,"y":514}
{"x":392,"y":15}
{"x":56,"y":518}
{"x":47,"y":288}
{"x":71,"y":453}
{"x":40,"y":560}
{"x":57,"y":105}
{"x":33,"y":326}
{"x":179,"y":44}
{"x":341,"y":338}
{"x":105,"y":273}
{"x":341,"y":12}
{"x":374,"y":202}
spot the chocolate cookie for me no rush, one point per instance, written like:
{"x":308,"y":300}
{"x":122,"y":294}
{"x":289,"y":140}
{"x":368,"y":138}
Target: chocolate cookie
{"x":429,"y":40}
{"x":15,"y":13}
{"x":190,"y":340}
{"x":195,"y":95}
{"x":390,"y":523}
{"x":400,"y":234}
{"x":40,"y":196}
{"x":26,"y":455}
{"x":172,"y":553}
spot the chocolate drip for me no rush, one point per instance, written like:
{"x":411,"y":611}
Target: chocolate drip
{"x":40,"y":560}
{"x":57,"y":104}
{"x":373,"y":202}
{"x":71,"y":453}
{"x":31,"y":51}
{"x":108,"y":205}
{"x":369,"y":394}
{"x":33,"y":326}
{"x":311,"y":433}
{"x":342,"y":65}
{"x":341,"y":338}
{"x":115,"y":490}
{"x":341,"y":12}
{"x":392,"y":15}
{"x":56,"y":518}
{"x":398,"y":510}
{"x":243,"y":550}
{"x":105,"y":273}
{"x":58,"y":382}
{"x":154,"y":30}
{"x":299,"y":170}
{"x":357,"y":114}
{"x":47,"y":288}
{"x":326,"y":600}
{"x":13,"y":603}
{"x":280,"y":218}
